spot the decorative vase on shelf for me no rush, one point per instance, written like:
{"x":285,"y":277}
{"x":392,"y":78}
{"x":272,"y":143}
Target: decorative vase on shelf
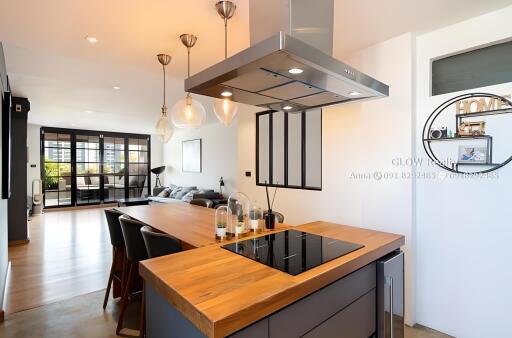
{"x":221,"y":222}
{"x":238,"y":214}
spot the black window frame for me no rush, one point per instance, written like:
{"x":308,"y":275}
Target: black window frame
{"x":303,"y":185}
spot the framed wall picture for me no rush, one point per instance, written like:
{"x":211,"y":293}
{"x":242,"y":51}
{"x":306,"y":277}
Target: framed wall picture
{"x":191,"y":156}
{"x":472,"y":154}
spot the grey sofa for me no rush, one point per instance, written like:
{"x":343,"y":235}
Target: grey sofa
{"x":176,"y":194}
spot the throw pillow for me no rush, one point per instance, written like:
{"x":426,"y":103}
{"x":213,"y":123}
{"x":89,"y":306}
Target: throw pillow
{"x":164,"y":193}
{"x":80,"y":181}
{"x":189,"y":196}
{"x":174,"y":192}
{"x":183,"y":192}
{"x":95,"y":180}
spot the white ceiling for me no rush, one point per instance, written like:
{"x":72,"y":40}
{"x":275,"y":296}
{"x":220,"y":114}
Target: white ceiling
{"x":69,"y":81}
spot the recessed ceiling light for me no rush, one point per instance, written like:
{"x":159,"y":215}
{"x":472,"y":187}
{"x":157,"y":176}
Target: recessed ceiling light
{"x":295,"y":71}
{"x":91,"y":39}
{"x":116,"y":87}
{"x":89,"y":111}
{"x":354,"y":93}
{"x":226,"y":93}
{"x":287,"y":107}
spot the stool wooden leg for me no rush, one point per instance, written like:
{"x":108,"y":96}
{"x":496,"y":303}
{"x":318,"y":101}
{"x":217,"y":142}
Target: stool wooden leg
{"x":110,"y":278}
{"x":124,"y":298}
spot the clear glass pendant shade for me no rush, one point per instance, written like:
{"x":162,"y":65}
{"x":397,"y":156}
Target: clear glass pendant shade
{"x":163,"y":127}
{"x":167,"y":136}
{"x":188,"y":113}
{"x":225,"y":110}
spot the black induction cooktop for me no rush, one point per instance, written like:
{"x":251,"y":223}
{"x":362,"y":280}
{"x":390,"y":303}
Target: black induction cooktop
{"x":292,"y":251}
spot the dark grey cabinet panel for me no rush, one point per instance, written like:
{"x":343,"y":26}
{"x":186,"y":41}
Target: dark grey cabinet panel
{"x":304,"y":315}
{"x":355,"y":321}
{"x":256,"y":330}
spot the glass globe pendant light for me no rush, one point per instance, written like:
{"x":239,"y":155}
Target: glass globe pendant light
{"x":188,"y":113}
{"x":225,"y":109}
{"x":163,"y":127}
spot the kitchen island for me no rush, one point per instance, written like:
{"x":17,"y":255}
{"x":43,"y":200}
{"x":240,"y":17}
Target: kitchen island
{"x":212,"y":292}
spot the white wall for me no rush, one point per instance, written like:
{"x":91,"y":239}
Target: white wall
{"x":219,"y":156}
{"x":463,"y":225}
{"x":358,"y":138}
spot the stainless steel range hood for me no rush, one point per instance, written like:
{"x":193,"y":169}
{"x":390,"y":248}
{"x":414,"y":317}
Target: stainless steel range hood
{"x":287,"y":35}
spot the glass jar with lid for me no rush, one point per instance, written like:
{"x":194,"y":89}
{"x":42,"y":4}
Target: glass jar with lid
{"x":221,"y":222}
{"x":255,"y":218}
{"x":238,"y":214}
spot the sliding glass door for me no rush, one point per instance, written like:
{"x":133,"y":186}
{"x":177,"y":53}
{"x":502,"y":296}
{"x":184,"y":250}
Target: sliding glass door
{"x":138,"y":159}
{"x":82,"y":167}
{"x":88,"y":174}
{"x":114,"y":168}
{"x":56,"y":167}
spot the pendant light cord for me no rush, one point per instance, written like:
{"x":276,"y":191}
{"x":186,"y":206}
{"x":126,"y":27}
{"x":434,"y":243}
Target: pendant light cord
{"x":188,"y":61}
{"x":225,"y":38}
{"x":163,"y":68}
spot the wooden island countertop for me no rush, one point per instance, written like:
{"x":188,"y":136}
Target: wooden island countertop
{"x":221,"y":292}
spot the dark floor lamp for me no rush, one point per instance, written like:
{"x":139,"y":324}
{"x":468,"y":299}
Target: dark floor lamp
{"x":157,"y":171}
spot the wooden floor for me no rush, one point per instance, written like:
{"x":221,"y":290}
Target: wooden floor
{"x":69,"y":254}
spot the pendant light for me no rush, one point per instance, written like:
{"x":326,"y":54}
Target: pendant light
{"x":188,"y":113}
{"x":225,"y":109}
{"x":163,"y":128}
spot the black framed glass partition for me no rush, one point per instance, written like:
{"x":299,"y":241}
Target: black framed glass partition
{"x":289,"y":149}
{"x":83,"y":167}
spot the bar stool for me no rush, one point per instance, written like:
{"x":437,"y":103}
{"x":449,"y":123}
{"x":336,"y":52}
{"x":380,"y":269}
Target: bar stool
{"x":117,"y":241}
{"x":159,"y":244}
{"x":135,"y":252}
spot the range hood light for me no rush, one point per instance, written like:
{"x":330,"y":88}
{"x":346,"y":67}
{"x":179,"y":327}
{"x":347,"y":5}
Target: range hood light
{"x":226,"y":93}
{"x":295,"y":71}
{"x":354,"y":93}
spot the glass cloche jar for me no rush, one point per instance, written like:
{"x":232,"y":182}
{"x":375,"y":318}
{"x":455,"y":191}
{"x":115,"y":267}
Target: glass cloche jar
{"x":255,"y":218}
{"x":221,"y":222}
{"x":238,"y":214}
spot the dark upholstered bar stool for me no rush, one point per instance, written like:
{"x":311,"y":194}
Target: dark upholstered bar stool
{"x":117,"y":240}
{"x":135,"y":252}
{"x":159,"y":244}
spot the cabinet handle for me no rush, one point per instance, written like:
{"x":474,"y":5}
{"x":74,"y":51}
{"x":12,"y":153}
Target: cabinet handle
{"x":389,"y":281}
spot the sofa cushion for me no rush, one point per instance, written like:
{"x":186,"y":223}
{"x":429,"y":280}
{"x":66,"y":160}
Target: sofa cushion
{"x":80,"y":181}
{"x":211,"y":195}
{"x":95,"y":180}
{"x":157,"y":199}
{"x":164,"y":193}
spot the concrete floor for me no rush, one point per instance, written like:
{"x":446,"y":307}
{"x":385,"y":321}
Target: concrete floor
{"x":79,"y":317}
{"x":83,"y":316}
